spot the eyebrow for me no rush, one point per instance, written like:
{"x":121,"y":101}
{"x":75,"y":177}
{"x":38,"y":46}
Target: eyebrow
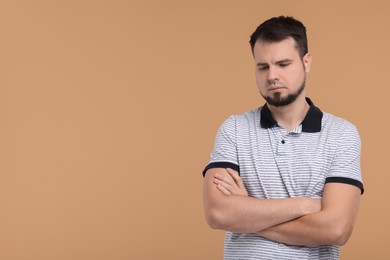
{"x":259,"y":64}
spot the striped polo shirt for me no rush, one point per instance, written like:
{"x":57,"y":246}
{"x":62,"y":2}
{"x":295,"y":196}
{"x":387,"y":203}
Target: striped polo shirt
{"x":274,"y":163}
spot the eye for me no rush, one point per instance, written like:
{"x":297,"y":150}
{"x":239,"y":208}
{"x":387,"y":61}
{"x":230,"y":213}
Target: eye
{"x":262,"y":68}
{"x":284,"y":64}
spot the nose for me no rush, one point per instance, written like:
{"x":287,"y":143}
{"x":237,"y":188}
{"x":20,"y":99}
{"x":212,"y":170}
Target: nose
{"x":272,"y":75}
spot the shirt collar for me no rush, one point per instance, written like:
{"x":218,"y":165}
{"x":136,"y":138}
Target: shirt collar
{"x":310,"y":124}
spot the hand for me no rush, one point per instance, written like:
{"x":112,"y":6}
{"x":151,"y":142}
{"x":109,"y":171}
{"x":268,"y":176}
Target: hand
{"x":230,"y":184}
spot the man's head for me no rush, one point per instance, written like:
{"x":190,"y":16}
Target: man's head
{"x":279,"y":48}
{"x":280,"y":28}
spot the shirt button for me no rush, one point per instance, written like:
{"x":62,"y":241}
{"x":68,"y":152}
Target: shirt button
{"x":283,"y":142}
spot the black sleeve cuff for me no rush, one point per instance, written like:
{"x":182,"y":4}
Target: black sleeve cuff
{"x":346,"y":181}
{"x":221,"y":165}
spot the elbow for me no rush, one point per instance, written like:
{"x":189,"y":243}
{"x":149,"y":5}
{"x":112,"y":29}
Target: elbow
{"x":213,"y":220}
{"x":342,"y":238}
{"x":216,"y":219}
{"x":341,"y":234}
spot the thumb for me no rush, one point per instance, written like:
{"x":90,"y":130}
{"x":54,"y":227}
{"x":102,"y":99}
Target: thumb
{"x":236,"y":177}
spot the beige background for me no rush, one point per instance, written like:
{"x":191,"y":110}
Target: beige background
{"x":109,"y":109}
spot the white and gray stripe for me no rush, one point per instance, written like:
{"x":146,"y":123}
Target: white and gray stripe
{"x":276,"y":164}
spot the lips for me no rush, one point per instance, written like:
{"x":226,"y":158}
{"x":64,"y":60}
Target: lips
{"x":274,"y":88}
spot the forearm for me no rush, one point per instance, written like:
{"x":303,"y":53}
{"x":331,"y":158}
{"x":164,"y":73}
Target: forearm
{"x":309,"y":230}
{"x":243,"y":214}
{"x":332,"y":225}
{"x":248,"y":215}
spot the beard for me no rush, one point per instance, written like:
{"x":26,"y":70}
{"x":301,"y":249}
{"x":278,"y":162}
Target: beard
{"x":278,"y":101}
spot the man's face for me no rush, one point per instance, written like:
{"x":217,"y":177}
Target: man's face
{"x":280,"y":72}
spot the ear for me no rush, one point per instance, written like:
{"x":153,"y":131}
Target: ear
{"x":307,"y":62}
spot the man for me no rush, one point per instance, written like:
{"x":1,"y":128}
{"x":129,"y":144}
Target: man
{"x":284,"y":179}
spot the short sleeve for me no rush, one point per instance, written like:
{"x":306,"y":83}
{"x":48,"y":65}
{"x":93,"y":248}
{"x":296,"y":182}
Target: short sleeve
{"x":224,"y":153}
{"x":345,"y":167}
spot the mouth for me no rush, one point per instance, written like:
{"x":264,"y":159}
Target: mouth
{"x":275,"y":88}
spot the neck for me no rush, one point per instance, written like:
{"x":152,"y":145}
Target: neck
{"x":292,"y":115}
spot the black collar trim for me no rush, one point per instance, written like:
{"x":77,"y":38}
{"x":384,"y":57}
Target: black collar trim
{"x":310,"y":124}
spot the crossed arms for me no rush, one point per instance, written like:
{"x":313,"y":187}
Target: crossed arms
{"x":294,"y":221}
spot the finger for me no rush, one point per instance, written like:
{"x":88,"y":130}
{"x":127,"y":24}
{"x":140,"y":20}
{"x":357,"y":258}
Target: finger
{"x":239,"y":184}
{"x":236,"y":177}
{"x":231,"y":171}
{"x":234,"y":174}
{"x":223,"y":189}
{"x":224,"y":178}
{"x":227,"y":186}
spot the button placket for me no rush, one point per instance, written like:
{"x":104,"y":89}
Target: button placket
{"x":282,"y":145}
